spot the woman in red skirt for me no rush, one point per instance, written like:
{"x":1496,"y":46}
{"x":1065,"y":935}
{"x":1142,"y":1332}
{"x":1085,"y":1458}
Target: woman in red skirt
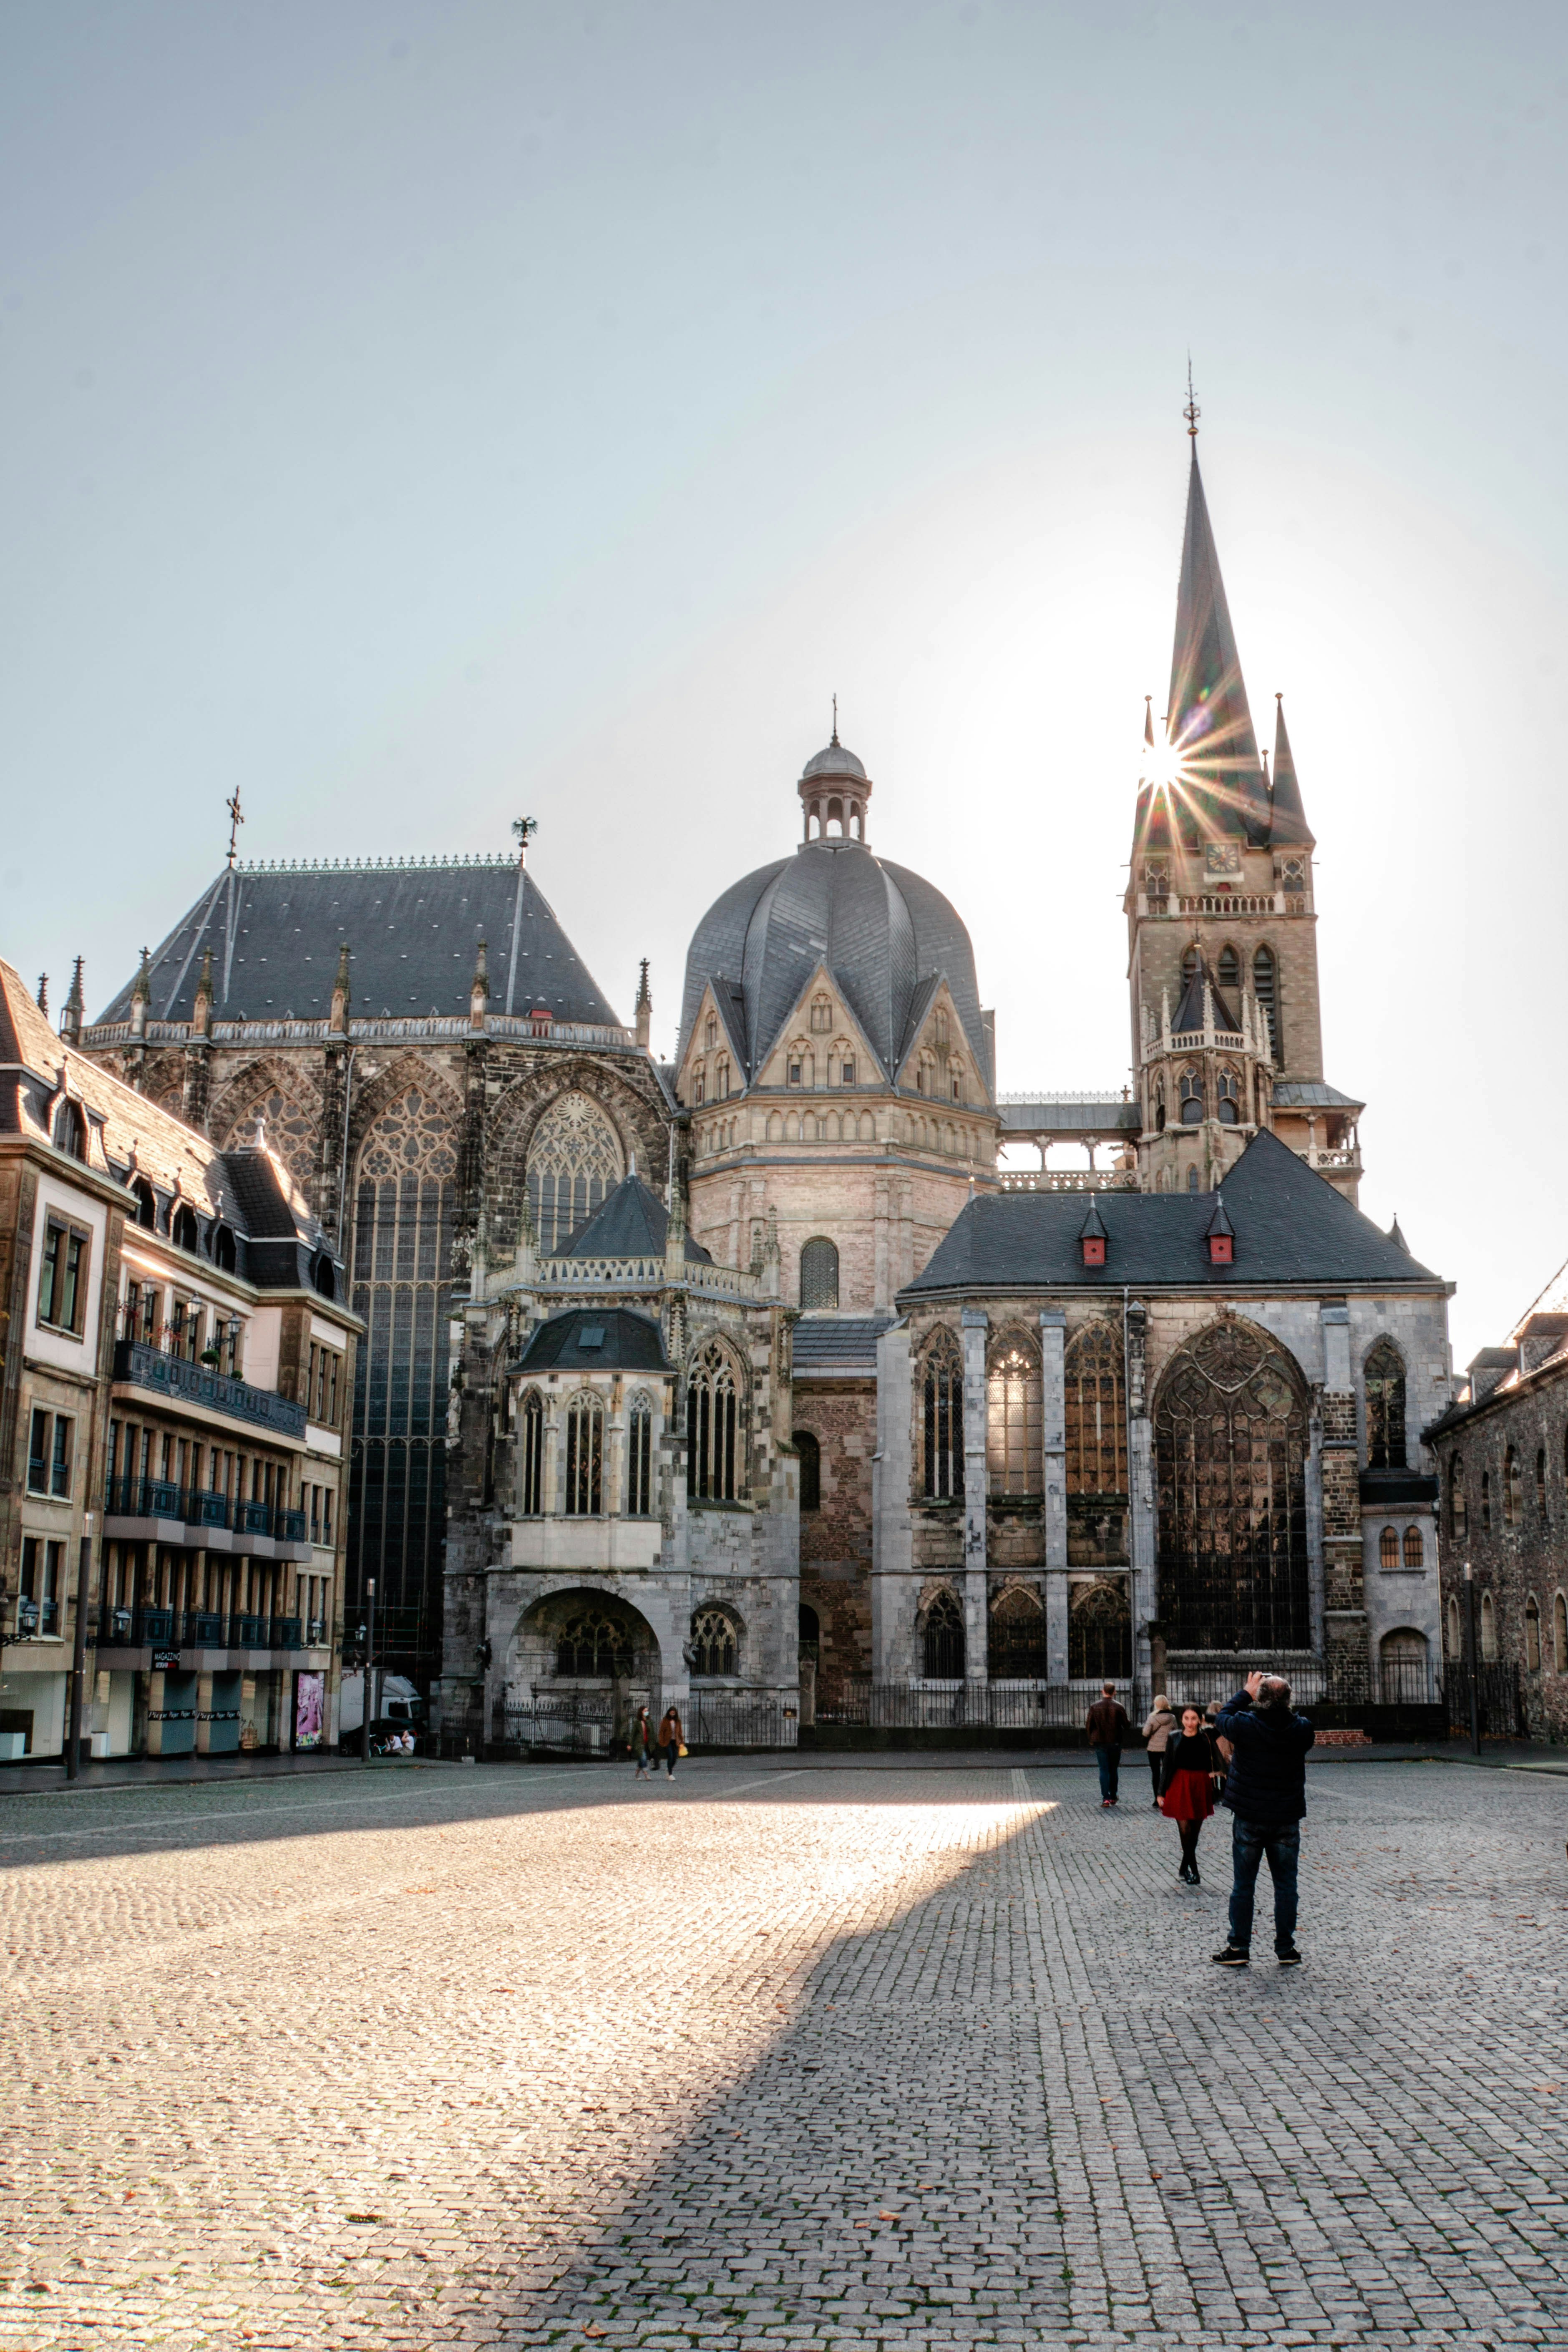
{"x":1187,"y":1786}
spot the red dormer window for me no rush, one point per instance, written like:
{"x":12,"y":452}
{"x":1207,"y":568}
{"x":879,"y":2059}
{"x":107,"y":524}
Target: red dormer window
{"x":1221,"y":1249}
{"x":1094,"y":1249}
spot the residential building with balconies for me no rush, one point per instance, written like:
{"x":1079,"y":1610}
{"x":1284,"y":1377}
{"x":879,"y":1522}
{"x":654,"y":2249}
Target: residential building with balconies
{"x":178,"y":1366}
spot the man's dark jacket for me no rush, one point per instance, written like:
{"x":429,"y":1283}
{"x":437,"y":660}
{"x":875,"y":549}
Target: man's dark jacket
{"x":1107,"y":1723}
{"x":1267,"y":1778}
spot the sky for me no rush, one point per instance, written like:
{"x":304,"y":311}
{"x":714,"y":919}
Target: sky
{"x":417,"y":416}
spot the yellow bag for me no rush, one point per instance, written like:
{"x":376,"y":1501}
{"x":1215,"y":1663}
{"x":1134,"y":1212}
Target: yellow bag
{"x":681,"y":1749}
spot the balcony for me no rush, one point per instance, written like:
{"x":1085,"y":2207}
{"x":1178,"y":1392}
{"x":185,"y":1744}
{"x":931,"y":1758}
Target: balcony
{"x":204,"y":1628}
{"x":175,"y":1381}
{"x":195,"y":1511}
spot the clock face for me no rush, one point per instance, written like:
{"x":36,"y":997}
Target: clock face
{"x":1222,"y":857}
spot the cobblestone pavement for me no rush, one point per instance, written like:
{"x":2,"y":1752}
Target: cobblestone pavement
{"x":780,"y":2055}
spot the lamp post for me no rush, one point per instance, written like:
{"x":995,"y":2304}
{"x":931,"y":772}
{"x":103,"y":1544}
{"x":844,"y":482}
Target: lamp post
{"x":78,"y":1650}
{"x":369,"y":1668}
{"x":1470,"y":1648}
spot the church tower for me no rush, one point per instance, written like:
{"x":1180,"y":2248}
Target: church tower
{"x":1222,"y":930}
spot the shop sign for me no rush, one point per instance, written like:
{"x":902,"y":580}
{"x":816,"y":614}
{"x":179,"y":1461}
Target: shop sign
{"x":165,"y":1662}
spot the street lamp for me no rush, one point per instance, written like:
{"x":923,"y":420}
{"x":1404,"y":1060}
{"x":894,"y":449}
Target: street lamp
{"x":369,"y":1668}
{"x":1470,"y":1648}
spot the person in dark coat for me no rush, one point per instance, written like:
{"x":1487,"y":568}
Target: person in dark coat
{"x":1107,"y":1726}
{"x":1191,"y":1766}
{"x":1266,"y":1792}
{"x":671,"y":1739}
{"x":642,"y":1743}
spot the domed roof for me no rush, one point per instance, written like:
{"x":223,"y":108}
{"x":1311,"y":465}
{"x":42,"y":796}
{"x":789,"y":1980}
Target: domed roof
{"x":832,"y":761}
{"x":884,"y":934}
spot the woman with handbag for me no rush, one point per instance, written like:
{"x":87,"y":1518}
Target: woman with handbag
{"x":1187,"y":1786}
{"x":1156,"y":1734}
{"x":671,"y":1739}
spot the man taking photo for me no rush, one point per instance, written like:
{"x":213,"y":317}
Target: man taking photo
{"x":1266,"y":1790}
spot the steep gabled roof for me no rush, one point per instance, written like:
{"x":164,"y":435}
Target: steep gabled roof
{"x":631,"y":1222}
{"x":413,"y":931}
{"x":1209,"y":723}
{"x":1291,"y":1228}
{"x":596,"y":1339}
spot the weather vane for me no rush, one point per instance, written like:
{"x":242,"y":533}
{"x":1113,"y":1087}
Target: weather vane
{"x":1192,"y":410}
{"x":835,"y":718}
{"x":522,"y":827}
{"x":235,"y":819}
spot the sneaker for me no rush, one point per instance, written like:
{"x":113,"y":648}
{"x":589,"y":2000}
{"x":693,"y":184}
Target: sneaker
{"x":1290,"y":1959}
{"x":1105,"y":1804}
{"x":1231,"y":1957}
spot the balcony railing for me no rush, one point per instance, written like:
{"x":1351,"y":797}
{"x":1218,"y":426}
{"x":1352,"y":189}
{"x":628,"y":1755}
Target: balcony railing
{"x":130,"y":1497}
{"x":201,"y":1629}
{"x":178,"y":1382}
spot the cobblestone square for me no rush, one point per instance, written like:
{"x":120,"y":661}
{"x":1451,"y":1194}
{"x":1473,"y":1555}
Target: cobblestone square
{"x":897,"y":2053}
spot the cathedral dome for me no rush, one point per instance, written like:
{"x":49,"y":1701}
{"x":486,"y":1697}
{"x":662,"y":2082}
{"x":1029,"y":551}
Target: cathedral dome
{"x":886,"y":935}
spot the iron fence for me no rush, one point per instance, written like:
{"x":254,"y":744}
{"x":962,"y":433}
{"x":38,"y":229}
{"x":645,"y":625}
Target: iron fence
{"x":939,"y":1706}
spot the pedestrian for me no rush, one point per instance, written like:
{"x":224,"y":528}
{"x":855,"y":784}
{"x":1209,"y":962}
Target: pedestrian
{"x":641,"y":1743}
{"x":1191,"y":1767}
{"x":671,"y":1739}
{"x":1266,"y":1792}
{"x":1156,"y":1732}
{"x":1107,"y":1726}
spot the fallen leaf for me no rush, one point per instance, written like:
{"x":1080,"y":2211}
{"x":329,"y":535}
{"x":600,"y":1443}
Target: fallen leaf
{"x":886,"y":2216}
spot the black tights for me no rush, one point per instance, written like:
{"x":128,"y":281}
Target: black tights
{"x":1189,"y":1840}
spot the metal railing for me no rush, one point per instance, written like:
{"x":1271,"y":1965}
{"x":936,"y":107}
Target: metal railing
{"x":932,"y":1705}
{"x":194,"y":1507}
{"x":200,"y":1629}
{"x":177,"y":1380}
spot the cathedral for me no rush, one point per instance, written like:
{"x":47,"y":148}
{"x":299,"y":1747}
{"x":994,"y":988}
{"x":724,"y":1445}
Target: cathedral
{"x":771,"y":1380}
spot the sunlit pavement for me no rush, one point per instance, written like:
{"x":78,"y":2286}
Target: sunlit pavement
{"x":776,"y":2055}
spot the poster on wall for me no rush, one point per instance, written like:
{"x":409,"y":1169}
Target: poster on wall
{"x":310,"y":1709}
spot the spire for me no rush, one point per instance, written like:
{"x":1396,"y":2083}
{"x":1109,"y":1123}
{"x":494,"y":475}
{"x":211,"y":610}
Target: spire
{"x":202,"y":1011}
{"x":644,"y":1007}
{"x":339,"y":1024}
{"x":1396,"y":1237}
{"x":1209,"y":725}
{"x":141,"y":996}
{"x":1289,"y":827}
{"x":71,"y":1026}
{"x":479,"y":988}
{"x":42,"y":999}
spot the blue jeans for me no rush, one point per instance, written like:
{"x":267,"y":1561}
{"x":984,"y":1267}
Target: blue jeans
{"x":1250,"y":1842}
{"x":1109,"y":1761}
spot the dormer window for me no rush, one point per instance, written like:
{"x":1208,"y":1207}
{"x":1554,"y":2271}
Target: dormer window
{"x":1094,"y":1249}
{"x":1221,"y":1249}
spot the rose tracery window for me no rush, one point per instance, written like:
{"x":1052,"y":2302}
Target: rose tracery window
{"x":713,"y":1463}
{"x":573,"y":1159}
{"x":1230,"y":1427}
{"x":1014,"y":1463}
{"x":402,"y":1252}
{"x":1385,"y":1408}
{"x":593,"y":1640}
{"x":287,"y":1127}
{"x":715,"y":1645}
{"x":943,"y":1417}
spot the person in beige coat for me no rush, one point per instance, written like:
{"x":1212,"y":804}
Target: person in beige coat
{"x":1156,"y":1732}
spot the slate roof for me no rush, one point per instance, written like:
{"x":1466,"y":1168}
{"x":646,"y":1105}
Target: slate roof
{"x":881,"y":931}
{"x":1311,"y":1094}
{"x":1291,"y":1228}
{"x":836,"y":1347}
{"x":631,"y":1222}
{"x":627,"y":1342}
{"x":1069,"y":1117}
{"x":413,"y":931}
{"x":278,"y":1243}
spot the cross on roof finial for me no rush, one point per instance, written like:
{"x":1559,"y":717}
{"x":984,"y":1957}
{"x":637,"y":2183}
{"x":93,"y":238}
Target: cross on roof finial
{"x":1192,"y":410}
{"x":521,"y":827}
{"x":835,"y":718}
{"x":235,"y":819}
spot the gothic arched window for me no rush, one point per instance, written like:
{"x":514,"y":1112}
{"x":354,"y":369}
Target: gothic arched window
{"x":712,"y":1426}
{"x":1016,"y":1636}
{"x":1230,"y":1426}
{"x":943,"y":1420}
{"x":594,"y":1640}
{"x":1512,"y":1490}
{"x":1456,"y":1644}
{"x":585,"y":1457}
{"x":1192,"y":1098}
{"x":1384,"y":1376}
{"x":1388,"y":1547}
{"x":530,"y":1462}
{"x":639,"y":1457}
{"x":1486,"y":1502}
{"x":943,"y":1640}
{"x":401,"y":1277}
{"x":819,"y":1274}
{"x":1264,"y":987}
{"x":1099,"y":1633}
{"x":1189,"y":968}
{"x":1096,"y":1412}
{"x":284,"y":1128}
{"x":1159,"y":1105}
{"x":1227,"y":1087}
{"x":1414,"y":1549}
{"x":1559,"y":1636}
{"x":810,"y":1452}
{"x":1540,"y":1481}
{"x":1458,"y":1518}
{"x":573,"y":1159}
{"x":1403,"y":1658}
{"x":1532,"y":1635}
{"x":1227,"y":971}
{"x":715,"y":1642}
{"x":1489,"y":1629}
{"x":1014,"y":1465}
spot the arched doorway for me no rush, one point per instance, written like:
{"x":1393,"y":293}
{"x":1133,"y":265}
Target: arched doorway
{"x":1230,"y":1435}
{"x":579,"y":1665}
